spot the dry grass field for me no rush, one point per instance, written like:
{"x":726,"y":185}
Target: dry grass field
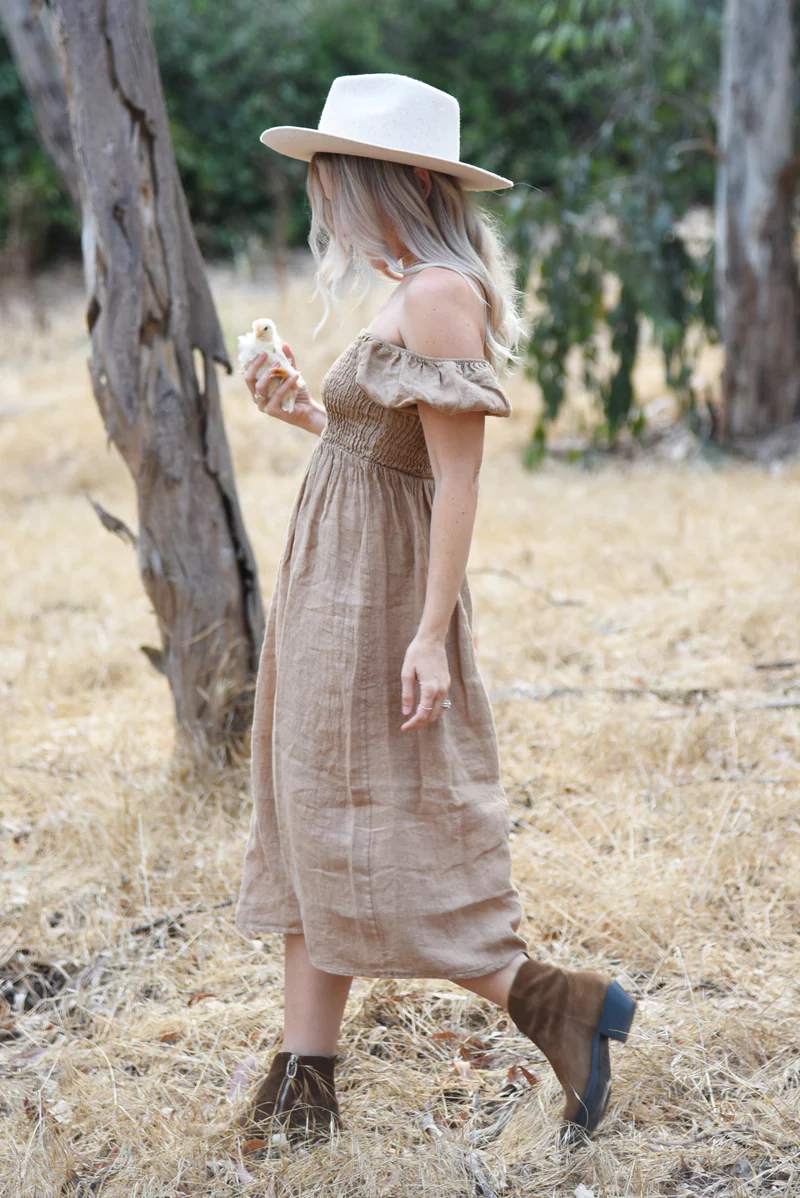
{"x":637,"y":627}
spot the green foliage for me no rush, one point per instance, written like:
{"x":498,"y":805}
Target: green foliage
{"x":231,"y":70}
{"x":600,"y":109}
{"x":228,"y":71}
{"x":645,"y":77}
{"x":35,"y":215}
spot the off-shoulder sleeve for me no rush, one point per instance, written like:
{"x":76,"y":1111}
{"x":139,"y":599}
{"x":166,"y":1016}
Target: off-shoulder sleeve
{"x":397,"y":377}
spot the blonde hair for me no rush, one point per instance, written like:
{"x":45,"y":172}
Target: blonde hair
{"x":446,"y":229}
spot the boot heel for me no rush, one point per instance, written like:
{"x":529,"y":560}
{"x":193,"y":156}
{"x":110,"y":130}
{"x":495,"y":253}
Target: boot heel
{"x":617,"y":1014}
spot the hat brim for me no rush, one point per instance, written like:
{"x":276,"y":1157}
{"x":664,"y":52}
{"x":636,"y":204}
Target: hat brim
{"x":297,"y":142}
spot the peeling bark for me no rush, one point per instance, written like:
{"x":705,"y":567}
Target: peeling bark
{"x":149,"y":306}
{"x":757,"y":292}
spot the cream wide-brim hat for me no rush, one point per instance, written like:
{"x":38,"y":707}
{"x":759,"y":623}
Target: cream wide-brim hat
{"x":392,"y":117}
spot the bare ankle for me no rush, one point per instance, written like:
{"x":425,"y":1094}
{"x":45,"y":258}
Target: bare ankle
{"x":307,"y":1048}
{"x":495,"y":986}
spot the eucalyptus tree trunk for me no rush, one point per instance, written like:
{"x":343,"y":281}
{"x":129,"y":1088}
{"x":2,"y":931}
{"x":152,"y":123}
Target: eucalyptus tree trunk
{"x":149,"y":310}
{"x":757,"y":293}
{"x":40,"y":71}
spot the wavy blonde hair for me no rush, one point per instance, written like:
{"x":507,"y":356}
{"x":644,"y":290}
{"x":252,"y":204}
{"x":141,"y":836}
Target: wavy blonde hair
{"x":446,"y":229}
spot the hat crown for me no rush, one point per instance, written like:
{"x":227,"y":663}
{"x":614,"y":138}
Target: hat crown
{"x":395,"y":112}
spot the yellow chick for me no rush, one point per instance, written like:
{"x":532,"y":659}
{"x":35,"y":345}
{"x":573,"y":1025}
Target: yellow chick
{"x":265,"y":339}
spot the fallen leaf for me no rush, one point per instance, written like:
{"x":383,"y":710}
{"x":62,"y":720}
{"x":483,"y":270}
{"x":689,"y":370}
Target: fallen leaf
{"x":518,"y":1075}
{"x":475,"y":1043}
{"x":170,"y":1037}
{"x":254,"y":1145}
{"x":462,"y":1068}
{"x":112,"y":1157}
{"x":113,"y":1162}
{"x":62,"y":1112}
{"x":456,"y":1118}
{"x":427,"y":1121}
{"x":466,"y":1041}
{"x":242,"y":1075}
{"x":34,"y":1108}
{"x":26,"y":1057}
{"x":7,"y":1028}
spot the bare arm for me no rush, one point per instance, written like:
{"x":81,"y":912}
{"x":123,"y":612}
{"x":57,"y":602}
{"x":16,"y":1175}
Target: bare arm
{"x":438,"y":318}
{"x":457,"y":444}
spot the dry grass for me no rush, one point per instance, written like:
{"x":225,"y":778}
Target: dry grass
{"x":652,"y":768}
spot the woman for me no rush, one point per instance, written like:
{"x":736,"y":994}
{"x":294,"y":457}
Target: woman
{"x":379,"y":846}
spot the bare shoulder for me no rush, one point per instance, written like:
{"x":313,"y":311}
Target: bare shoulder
{"x":442,"y":316}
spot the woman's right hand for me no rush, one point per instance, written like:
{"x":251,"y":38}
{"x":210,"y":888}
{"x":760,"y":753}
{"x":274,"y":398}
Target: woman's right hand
{"x":305,"y":414}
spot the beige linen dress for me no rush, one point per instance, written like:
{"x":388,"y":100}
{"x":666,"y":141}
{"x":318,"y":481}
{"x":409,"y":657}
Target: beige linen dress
{"x":387,"y":849}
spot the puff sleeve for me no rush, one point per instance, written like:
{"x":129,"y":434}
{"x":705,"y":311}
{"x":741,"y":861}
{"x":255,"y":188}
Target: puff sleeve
{"x":397,"y":377}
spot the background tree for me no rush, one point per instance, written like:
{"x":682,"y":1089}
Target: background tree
{"x":638,"y":82}
{"x":38,"y":184}
{"x":758,"y":297}
{"x":149,"y":309}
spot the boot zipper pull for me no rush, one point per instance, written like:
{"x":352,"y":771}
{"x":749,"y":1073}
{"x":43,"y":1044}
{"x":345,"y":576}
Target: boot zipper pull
{"x":289,"y":1075}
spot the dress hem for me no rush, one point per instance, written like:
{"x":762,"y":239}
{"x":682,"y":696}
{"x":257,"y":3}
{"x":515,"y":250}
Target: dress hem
{"x":450,"y":976}
{"x":267,"y":929}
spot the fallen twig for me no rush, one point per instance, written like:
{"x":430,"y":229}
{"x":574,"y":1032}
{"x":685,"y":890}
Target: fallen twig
{"x":482,"y":1181}
{"x":691,"y":696}
{"x":164,"y":920}
{"x":699,"y":1137}
{"x":482,"y":1135}
{"x":775,"y":705}
{"x":553,"y":600}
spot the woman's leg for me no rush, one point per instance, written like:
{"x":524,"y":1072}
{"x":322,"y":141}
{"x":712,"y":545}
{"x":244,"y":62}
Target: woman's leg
{"x":314,"y":1003}
{"x":495,"y":986}
{"x":299,"y":1091}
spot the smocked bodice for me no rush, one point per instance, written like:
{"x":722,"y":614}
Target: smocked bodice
{"x":370,"y":395}
{"x":389,"y":436}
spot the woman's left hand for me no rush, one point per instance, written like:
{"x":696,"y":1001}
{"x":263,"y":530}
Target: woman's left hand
{"x":425,"y":662}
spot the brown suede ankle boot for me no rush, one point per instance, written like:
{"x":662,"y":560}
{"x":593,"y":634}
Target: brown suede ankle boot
{"x":570,"y":1016}
{"x":296,"y":1099}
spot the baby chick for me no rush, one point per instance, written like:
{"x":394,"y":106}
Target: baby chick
{"x":265,"y":339}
